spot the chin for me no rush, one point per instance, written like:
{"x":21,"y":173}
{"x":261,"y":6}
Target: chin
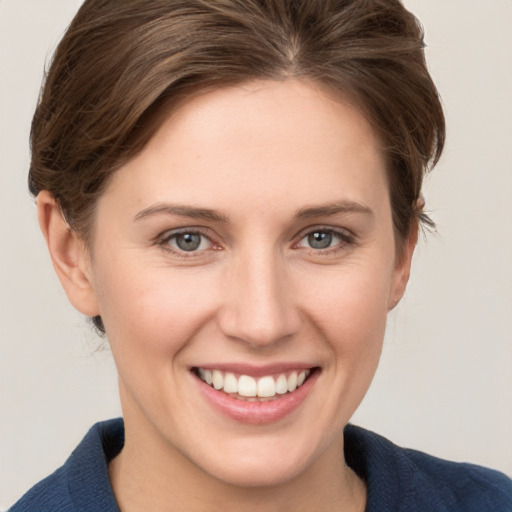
{"x":260,"y":462}
{"x":262,"y":472}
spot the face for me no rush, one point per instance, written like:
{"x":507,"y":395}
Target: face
{"x":250,"y":245}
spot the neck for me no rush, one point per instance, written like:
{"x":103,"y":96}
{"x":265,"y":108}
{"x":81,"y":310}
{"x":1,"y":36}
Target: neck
{"x":149,"y":474}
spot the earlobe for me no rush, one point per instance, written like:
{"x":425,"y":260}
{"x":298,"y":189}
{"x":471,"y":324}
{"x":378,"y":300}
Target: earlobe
{"x":69,"y":255}
{"x":402,"y":270}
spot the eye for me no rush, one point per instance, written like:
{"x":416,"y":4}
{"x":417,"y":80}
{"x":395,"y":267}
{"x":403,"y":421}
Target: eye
{"x":321,"y":239}
{"x":187,"y":241}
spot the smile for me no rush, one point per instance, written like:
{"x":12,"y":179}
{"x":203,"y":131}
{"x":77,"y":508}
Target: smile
{"x":253,"y":395}
{"x":245,"y":387}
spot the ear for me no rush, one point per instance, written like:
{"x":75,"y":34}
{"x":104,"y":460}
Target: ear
{"x":69,"y":255}
{"x":402,"y":269}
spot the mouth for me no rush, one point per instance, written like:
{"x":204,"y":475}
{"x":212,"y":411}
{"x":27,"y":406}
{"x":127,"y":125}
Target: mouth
{"x":256,"y":395}
{"x":263,"y":388}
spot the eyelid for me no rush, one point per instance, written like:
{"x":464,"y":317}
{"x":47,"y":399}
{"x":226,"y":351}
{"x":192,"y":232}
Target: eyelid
{"x":163,"y":241}
{"x":346,"y":236}
{"x":186,"y":229}
{"x":342,"y":232}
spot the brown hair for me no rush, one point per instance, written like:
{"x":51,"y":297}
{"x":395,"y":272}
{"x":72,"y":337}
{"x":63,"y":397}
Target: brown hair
{"x":122,"y":61}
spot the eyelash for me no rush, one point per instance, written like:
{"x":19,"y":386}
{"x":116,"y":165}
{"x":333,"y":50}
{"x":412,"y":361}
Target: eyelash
{"x":346,"y":239}
{"x":165,"y":239}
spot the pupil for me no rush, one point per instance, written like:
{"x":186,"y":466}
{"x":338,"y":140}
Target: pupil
{"x":320,"y":240}
{"x":188,"y":241}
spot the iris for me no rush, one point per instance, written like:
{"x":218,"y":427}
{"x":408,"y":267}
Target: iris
{"x":320,"y":240}
{"x":188,"y":241}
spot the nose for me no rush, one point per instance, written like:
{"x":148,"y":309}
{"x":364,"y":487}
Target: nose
{"x":259,"y":306}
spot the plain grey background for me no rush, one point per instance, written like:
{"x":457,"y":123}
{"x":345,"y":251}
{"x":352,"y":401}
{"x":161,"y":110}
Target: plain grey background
{"x":445,"y":381}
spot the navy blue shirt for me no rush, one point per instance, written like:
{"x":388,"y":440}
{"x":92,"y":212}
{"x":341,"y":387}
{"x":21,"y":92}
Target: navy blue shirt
{"x":398,"y":479}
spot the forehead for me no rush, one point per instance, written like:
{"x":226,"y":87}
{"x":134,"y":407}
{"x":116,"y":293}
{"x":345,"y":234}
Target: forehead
{"x":262,"y":141}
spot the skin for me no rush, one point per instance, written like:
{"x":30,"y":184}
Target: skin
{"x":255,"y":292}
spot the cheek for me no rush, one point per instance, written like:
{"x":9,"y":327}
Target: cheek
{"x":347,"y":308}
{"x":152,"y":308}
{"x":355,"y":331}
{"x":349,"y":304}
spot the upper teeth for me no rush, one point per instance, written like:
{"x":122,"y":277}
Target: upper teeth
{"x":248,"y":386}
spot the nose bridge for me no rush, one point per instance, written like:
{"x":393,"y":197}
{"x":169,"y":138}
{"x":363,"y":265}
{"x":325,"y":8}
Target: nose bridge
{"x":258,"y":308}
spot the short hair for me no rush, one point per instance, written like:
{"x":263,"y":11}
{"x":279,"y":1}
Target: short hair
{"x":121,"y":63}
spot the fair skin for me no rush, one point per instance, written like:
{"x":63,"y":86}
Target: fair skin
{"x":253,"y":235}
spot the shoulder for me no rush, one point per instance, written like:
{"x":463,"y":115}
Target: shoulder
{"x":49,"y":494}
{"x":468,"y":486}
{"x":409,"y":480}
{"x":82,"y":483}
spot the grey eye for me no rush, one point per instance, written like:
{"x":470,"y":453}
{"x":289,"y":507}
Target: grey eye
{"x":188,"y":241}
{"x":320,"y":240}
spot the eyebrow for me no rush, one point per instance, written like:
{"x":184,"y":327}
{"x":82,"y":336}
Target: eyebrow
{"x":333,"y":209}
{"x":182,"y":211}
{"x":213,"y":215}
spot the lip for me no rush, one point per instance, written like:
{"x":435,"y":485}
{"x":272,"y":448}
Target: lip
{"x":257,"y":371}
{"x":257,"y":412}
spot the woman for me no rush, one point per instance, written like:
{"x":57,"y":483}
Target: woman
{"x":231,"y":190}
